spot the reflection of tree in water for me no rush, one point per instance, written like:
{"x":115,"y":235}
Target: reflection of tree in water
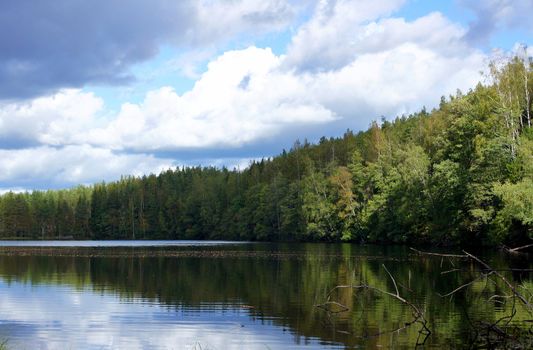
{"x":283,"y":283}
{"x":505,"y":328}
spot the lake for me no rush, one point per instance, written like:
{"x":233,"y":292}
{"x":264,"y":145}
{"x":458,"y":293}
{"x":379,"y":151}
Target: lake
{"x":230,"y":295}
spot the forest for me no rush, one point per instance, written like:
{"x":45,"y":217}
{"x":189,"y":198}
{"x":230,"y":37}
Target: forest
{"x":459,"y":174}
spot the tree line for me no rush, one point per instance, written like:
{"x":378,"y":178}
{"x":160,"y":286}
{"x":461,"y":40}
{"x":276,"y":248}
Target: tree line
{"x":459,"y":174}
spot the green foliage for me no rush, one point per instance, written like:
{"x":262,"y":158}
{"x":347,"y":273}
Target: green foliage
{"x":460,"y":174}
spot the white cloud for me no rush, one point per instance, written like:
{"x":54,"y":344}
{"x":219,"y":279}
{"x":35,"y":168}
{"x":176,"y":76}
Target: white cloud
{"x":248,"y":95}
{"x":349,"y":63}
{"x":241,"y":98}
{"x":510,"y":13}
{"x":394,"y":82}
{"x":49,"y":120}
{"x":73,"y":165}
{"x":221,"y":18}
{"x":330,"y":39}
{"x":14,"y":190}
{"x":492,"y":15}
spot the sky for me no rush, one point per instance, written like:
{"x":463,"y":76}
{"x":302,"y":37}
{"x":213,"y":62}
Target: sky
{"x":92,"y":90}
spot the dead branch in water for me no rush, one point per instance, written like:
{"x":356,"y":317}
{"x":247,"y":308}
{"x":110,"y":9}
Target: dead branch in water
{"x":502,"y":278}
{"x":418,"y":315}
{"x":501,"y":333}
{"x":462,"y":256}
{"x":517,"y":249}
{"x":487,"y":270}
{"x":498,"y":333}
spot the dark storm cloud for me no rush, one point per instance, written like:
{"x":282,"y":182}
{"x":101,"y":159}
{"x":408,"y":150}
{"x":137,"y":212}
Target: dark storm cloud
{"x":46,"y":45}
{"x":66,"y":43}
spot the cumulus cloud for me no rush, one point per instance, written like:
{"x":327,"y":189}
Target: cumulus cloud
{"x":70,"y":165}
{"x":241,"y":98}
{"x":342,"y":30}
{"x":68,"y":44}
{"x":350,"y":63}
{"x":218,"y":18}
{"x":247,"y":95}
{"x":48,"y":120}
{"x":328,"y":39}
{"x":492,"y":15}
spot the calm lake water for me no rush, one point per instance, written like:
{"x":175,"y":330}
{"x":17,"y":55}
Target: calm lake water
{"x":224,"y":295}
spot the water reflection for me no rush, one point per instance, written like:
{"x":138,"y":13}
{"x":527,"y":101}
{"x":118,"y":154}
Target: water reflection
{"x":122,"y":243}
{"x":55,"y":317}
{"x":236,"y":297}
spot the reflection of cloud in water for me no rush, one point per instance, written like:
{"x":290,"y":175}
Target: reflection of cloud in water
{"x":56,"y":317}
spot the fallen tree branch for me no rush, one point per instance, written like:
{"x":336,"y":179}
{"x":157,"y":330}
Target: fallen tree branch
{"x":463,"y":286}
{"x":494,"y":334}
{"x":418,"y":315}
{"x":487,"y":268}
{"x":517,"y":249}
{"x":324,"y":306}
{"x":501,"y":277}
{"x":461,"y":256}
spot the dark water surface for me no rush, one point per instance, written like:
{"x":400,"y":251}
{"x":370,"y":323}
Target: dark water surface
{"x":110,"y":243}
{"x":205,"y":295}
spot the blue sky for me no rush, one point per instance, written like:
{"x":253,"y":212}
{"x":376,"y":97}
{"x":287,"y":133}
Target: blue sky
{"x":90,"y":91}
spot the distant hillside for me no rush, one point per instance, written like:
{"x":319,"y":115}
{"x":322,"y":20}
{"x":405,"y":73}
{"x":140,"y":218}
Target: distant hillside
{"x":460,"y":174}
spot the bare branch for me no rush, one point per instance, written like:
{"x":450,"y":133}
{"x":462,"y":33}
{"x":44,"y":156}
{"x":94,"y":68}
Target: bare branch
{"x":463,"y":286}
{"x":392,"y":278}
{"x":522,"y":299}
{"x":418,"y":315}
{"x":514,"y":250}
{"x":441,"y":255}
{"x":343,"y":308}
